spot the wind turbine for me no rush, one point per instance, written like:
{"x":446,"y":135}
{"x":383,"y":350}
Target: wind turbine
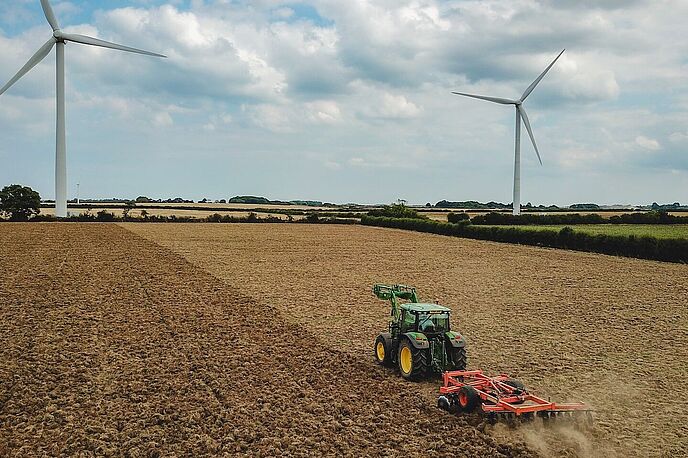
{"x":59,"y":39}
{"x":520,"y":114}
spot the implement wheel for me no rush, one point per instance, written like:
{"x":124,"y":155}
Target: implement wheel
{"x":382,"y":352}
{"x":413,"y":362}
{"x":512,"y":382}
{"x":468,"y":399}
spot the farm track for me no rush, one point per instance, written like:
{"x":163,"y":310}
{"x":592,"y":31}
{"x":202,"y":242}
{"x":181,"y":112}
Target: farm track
{"x":574,"y":326}
{"x":111,"y":344}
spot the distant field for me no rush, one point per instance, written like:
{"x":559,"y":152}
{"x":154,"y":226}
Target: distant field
{"x":440,"y":215}
{"x":662,"y":231}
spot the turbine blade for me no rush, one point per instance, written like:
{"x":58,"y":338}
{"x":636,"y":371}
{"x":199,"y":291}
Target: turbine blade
{"x":83,"y":39}
{"x":35,"y":59}
{"x":50,"y":15}
{"x":526,"y":121}
{"x":539,"y":78}
{"x":489,"y":99}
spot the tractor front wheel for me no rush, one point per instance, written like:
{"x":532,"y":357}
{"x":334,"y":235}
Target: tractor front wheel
{"x":413,"y":362}
{"x":382,"y":352}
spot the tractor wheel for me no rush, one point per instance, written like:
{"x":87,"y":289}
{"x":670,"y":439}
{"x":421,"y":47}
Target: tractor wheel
{"x":382,"y":352}
{"x":458,"y":358}
{"x":413,"y":362}
{"x":468,"y":399}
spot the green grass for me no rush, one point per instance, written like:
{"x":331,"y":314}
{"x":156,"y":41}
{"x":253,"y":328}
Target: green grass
{"x":660,"y":231}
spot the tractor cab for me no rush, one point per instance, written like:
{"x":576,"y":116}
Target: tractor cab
{"x":430,"y":319}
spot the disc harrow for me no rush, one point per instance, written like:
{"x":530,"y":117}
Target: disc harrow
{"x":502,"y":398}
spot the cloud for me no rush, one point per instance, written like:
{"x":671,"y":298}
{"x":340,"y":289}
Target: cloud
{"x":647,"y":143}
{"x":163,"y":119}
{"x":323,"y":111}
{"x":679,"y":137}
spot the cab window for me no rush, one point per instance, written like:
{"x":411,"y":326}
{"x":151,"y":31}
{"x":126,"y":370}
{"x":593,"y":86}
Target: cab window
{"x":408,"y":322}
{"x":433,"y":322}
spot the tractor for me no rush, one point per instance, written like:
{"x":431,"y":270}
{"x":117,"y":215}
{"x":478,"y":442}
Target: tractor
{"x":420,"y":341}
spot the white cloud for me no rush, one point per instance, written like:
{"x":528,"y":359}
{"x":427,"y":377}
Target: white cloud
{"x":679,"y":137}
{"x":647,"y":143}
{"x":271,"y":117}
{"x":324,"y":111}
{"x":163,"y":119}
{"x":398,"y":106}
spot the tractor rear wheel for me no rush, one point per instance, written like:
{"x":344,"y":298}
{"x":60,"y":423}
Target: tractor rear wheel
{"x":382,"y":352}
{"x":458,"y":358}
{"x":413,"y":362}
{"x":468,"y":399}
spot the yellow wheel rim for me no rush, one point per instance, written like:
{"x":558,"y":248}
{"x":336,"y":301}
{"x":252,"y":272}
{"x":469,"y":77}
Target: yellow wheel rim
{"x":406,"y":360}
{"x":380,"y":350}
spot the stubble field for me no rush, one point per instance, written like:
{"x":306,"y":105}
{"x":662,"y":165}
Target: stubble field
{"x":257,"y":339}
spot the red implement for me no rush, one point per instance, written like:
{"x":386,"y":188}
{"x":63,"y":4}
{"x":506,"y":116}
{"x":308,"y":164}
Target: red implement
{"x":466,"y":391}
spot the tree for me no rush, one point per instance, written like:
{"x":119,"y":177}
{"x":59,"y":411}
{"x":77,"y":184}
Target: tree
{"x":396,"y":211}
{"x":19,"y":202}
{"x":128,"y":206}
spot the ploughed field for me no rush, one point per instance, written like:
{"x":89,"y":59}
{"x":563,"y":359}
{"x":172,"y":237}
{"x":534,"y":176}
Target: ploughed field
{"x":162,"y":339}
{"x":113,"y":345}
{"x":606,"y":330}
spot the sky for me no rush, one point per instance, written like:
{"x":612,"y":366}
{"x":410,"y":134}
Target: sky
{"x":350,"y":101}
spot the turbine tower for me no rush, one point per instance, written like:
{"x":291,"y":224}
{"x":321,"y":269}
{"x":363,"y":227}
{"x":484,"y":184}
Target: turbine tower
{"x":59,"y":39}
{"x":520,"y":114}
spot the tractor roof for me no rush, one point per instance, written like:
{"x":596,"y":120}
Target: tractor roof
{"x":418,"y":307}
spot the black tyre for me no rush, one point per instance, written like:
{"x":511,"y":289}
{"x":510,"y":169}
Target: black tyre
{"x":520,"y":387}
{"x":413,"y":362}
{"x":458,"y":358}
{"x":382,"y":352}
{"x":515,"y":384}
{"x":468,"y":399}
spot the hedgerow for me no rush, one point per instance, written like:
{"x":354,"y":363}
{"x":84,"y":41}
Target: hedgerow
{"x":672,"y":250}
{"x":507,"y":219}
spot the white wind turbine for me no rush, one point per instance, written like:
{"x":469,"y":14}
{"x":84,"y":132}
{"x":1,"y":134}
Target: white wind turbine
{"x":59,"y":38}
{"x":520,"y":114}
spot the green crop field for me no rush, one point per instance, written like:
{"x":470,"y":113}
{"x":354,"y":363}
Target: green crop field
{"x":663,"y":231}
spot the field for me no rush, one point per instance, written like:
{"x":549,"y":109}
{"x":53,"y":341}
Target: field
{"x":662,"y":231}
{"x":441,"y":215}
{"x":148,"y":339}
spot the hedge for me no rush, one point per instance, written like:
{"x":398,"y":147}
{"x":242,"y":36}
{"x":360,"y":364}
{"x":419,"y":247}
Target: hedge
{"x":652,"y":217}
{"x":538,"y":220}
{"x":671,"y":250}
{"x":107,"y":217}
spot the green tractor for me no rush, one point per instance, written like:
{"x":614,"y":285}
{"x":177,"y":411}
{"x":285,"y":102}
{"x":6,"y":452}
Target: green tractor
{"x":420,"y":341}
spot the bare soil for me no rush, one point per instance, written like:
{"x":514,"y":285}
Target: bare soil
{"x":573,"y":326}
{"x":112,"y":345}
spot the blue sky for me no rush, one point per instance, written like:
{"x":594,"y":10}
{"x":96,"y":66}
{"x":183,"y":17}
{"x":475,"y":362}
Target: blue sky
{"x":350,"y":101}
